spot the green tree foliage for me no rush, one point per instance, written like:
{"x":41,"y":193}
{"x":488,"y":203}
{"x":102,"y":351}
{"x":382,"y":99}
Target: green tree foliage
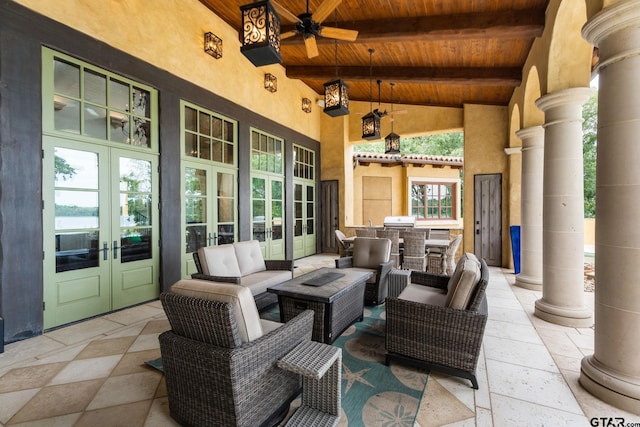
{"x":442,"y":144}
{"x":589,"y":145}
{"x":63,"y":169}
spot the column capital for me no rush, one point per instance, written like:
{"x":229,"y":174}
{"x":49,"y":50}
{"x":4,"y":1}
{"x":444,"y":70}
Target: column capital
{"x":611,"y":19}
{"x":565,"y":97}
{"x":532,"y":132}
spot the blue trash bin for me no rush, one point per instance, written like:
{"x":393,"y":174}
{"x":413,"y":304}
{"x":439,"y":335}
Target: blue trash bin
{"x":515,"y":246}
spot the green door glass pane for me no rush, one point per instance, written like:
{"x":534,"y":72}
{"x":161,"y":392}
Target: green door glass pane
{"x":66,"y":114}
{"x":95,"y":87}
{"x":190,"y":144}
{"x":258,"y":190}
{"x":136,"y":205}
{"x":216,"y":127}
{"x":205,"y":148}
{"x":76,"y":209}
{"x":276,"y":220}
{"x":216,"y":151}
{"x":190,"y":119}
{"x":195,"y":181}
{"x":229,"y":157}
{"x":119,"y":95}
{"x":95,"y":121}
{"x":66,"y":78}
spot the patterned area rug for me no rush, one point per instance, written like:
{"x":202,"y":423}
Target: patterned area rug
{"x":374,"y":394}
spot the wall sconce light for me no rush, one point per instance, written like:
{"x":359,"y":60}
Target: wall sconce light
{"x":213,"y":45}
{"x":306,"y":105}
{"x":260,"y":33}
{"x":270,"y":82}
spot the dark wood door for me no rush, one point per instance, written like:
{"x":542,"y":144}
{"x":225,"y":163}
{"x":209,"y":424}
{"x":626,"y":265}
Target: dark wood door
{"x":488,"y":218}
{"x":329,"y":216}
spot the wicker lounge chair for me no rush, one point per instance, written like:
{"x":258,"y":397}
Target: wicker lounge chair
{"x":394,"y":236}
{"x":371,"y":254}
{"x":222,"y":370}
{"x":429,"y":327}
{"x":343,"y":247}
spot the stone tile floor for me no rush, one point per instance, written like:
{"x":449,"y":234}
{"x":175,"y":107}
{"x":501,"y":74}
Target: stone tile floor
{"x":93,"y":374}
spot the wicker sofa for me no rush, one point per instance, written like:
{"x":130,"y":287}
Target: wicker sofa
{"x":438,"y":322}
{"x":220,"y":359}
{"x":242,"y":263}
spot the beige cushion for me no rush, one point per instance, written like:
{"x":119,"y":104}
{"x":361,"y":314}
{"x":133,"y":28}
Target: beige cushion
{"x":370,"y":252}
{"x":260,"y":281}
{"x":269,"y":325}
{"x":240,"y":298}
{"x":219,"y":261}
{"x":424,"y":295}
{"x":249,"y":257}
{"x":462,"y":283}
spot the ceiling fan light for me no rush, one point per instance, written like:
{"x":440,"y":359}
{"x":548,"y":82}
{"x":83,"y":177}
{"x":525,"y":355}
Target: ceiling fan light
{"x":260,"y":33}
{"x":392,"y":143}
{"x":370,"y":126}
{"x":336,"y":98}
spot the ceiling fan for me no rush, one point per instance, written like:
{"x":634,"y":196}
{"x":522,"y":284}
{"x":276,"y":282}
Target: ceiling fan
{"x":383,"y":113}
{"x":309,"y":25}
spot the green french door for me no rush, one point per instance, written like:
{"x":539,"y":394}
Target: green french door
{"x":304,"y":221}
{"x":101,"y":236}
{"x":209,"y":214}
{"x":267,"y":214}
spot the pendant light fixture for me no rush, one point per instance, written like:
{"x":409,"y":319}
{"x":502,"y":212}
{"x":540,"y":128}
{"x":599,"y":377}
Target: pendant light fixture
{"x":260,"y":33}
{"x":371,"y":121}
{"x":336,"y":92}
{"x":392,"y":141}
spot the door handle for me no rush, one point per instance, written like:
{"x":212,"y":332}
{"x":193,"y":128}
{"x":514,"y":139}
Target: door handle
{"x":105,"y":251}
{"x":210,"y":238}
{"x":115,"y":249}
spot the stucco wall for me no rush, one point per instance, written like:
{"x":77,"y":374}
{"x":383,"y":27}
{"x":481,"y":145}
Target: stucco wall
{"x":485,"y":137}
{"x":170,"y":35}
{"x":399,"y":181}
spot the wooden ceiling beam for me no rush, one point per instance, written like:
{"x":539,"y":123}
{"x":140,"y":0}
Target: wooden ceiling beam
{"x":490,"y":25}
{"x":508,"y":76}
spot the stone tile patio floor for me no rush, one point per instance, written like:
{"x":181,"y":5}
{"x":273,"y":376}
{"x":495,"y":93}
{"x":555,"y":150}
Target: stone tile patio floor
{"x":92,"y":374}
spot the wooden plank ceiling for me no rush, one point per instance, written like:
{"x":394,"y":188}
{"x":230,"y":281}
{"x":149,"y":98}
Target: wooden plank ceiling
{"x":436,"y":52}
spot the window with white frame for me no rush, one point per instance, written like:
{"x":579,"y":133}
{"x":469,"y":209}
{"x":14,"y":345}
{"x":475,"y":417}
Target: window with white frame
{"x":433,"y":200}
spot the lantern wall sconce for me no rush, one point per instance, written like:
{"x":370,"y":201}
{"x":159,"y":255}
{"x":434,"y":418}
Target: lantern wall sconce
{"x":213,"y":45}
{"x":270,"y":82}
{"x":306,"y":105}
{"x":260,"y":33}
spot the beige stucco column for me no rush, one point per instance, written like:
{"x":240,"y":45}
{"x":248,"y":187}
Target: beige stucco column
{"x":613,"y":372}
{"x":530,"y":276}
{"x":563,"y":299}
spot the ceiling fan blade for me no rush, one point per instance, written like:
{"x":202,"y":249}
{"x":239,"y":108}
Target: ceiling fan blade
{"x":312,"y":46}
{"x":288,"y":34}
{"x":339,"y":33}
{"x":325,"y":9}
{"x":284,"y":13}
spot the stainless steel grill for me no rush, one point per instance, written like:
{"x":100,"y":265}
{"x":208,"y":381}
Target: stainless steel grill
{"x":399,"y":221}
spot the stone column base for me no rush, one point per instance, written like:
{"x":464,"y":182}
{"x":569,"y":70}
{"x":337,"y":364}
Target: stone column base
{"x":615,"y":389}
{"x":573,"y":317}
{"x":529,"y":282}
